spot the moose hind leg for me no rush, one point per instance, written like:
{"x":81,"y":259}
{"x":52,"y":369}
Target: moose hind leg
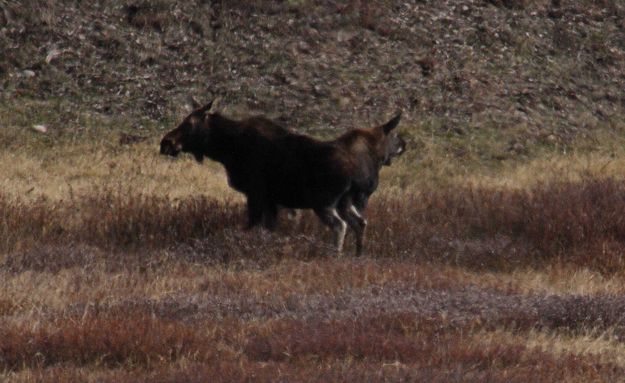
{"x":331,"y":218}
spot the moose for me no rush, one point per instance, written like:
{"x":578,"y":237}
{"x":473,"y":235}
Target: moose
{"x":275,"y":167}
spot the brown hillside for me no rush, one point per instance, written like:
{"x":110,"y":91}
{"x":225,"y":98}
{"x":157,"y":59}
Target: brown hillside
{"x":535,"y":71}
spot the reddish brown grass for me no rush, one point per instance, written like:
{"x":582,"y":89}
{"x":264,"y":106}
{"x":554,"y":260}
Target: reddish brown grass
{"x":579,"y":222}
{"x":282,"y":305}
{"x":102,"y":340}
{"x":371,"y":348}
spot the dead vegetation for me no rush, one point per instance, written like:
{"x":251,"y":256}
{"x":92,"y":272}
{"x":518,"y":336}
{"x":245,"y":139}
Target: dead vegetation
{"x":119,"y":286}
{"x":479,"y":227}
{"x":495,"y":244}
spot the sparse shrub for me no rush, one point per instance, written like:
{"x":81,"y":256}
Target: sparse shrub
{"x":154,"y":14}
{"x":106,"y":340}
{"x":554,"y":220}
{"x":580,"y":313}
{"x":114,"y":219}
{"x":21,"y":222}
{"x":581,"y":222}
{"x":511,"y":4}
{"x":52,"y":258}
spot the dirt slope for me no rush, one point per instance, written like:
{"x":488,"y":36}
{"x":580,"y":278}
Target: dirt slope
{"x":532,"y":71}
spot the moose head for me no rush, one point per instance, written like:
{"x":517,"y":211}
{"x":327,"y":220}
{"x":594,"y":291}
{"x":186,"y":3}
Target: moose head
{"x":391,"y":143}
{"x":190,"y":134}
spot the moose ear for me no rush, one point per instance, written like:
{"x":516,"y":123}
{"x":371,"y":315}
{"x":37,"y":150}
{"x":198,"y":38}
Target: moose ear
{"x":205,"y":108}
{"x":191,"y":104}
{"x":392,"y":124}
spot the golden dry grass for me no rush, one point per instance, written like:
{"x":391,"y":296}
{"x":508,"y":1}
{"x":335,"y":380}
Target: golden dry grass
{"x":603,"y":345}
{"x":67,"y":168}
{"x":28,"y":292}
{"x":170,"y":285}
{"x":79,"y":168}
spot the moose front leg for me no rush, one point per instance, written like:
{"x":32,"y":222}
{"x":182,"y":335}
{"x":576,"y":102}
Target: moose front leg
{"x":270,"y":216}
{"x":357,"y":223}
{"x":254,"y":212}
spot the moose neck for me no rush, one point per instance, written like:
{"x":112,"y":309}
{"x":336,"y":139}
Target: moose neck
{"x":223,"y":143}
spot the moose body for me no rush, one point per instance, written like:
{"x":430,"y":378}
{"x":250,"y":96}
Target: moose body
{"x":275,"y":167}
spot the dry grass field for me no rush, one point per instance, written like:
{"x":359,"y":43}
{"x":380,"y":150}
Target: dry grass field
{"x":115,"y":269}
{"x":495,"y":250}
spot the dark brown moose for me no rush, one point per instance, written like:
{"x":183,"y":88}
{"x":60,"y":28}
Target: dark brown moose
{"x":275,"y":167}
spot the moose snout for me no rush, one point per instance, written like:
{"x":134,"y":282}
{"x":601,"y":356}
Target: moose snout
{"x":168,"y":148}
